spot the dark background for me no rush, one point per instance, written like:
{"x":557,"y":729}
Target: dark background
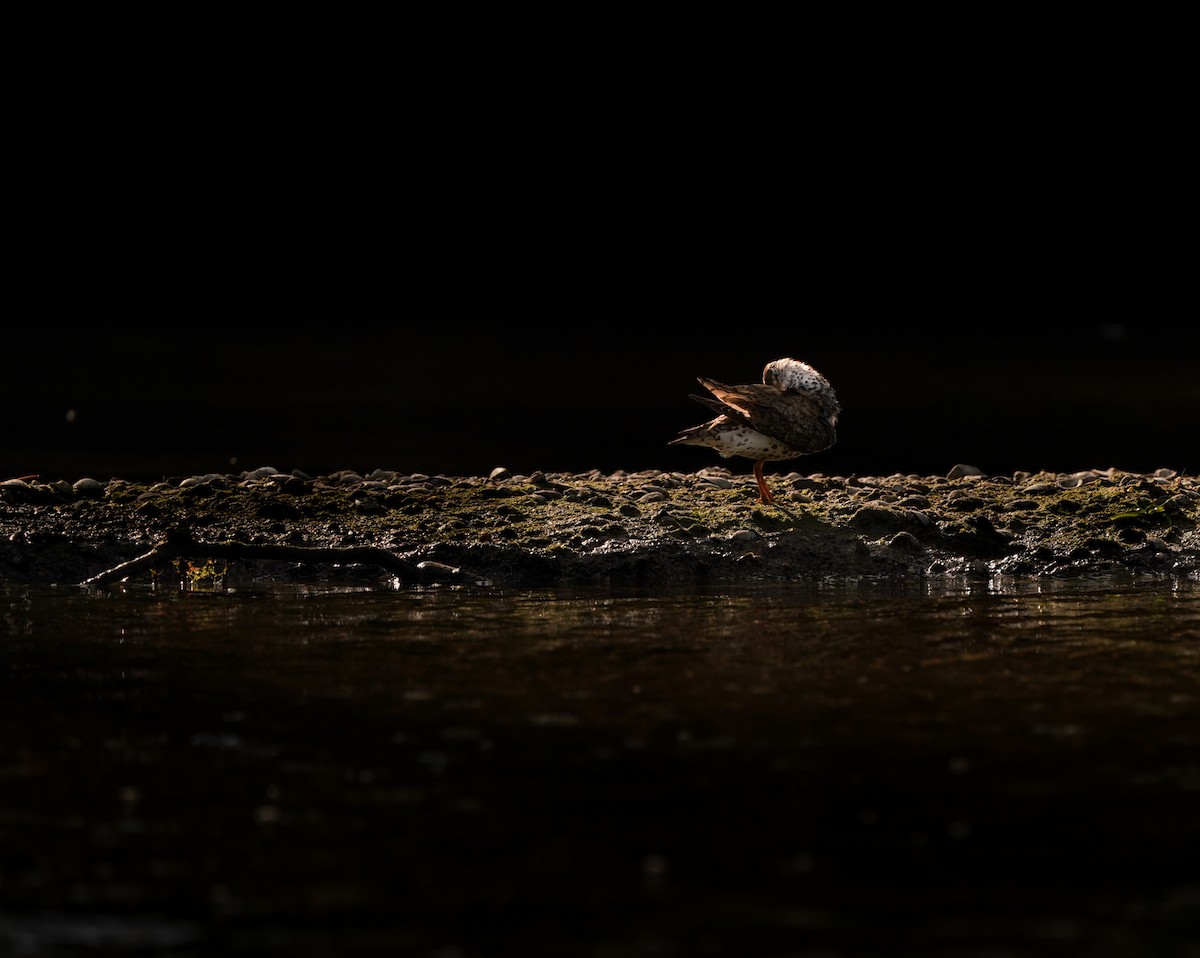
{"x":442,"y":263}
{"x":429,"y":390}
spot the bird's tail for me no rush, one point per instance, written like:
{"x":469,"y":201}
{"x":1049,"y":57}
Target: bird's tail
{"x":688,"y":437}
{"x":694,"y":436}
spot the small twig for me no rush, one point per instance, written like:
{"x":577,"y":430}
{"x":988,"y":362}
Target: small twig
{"x":179,"y":544}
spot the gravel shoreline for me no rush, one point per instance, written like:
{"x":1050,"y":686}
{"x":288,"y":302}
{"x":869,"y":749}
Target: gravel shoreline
{"x":636,"y":528}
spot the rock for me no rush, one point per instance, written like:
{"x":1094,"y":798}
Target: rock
{"x":980,"y":534}
{"x":294,"y":486}
{"x":499,"y":474}
{"x":905,"y":542}
{"x":429,"y":565}
{"x":876,"y":520}
{"x":962,"y":470}
{"x":495,"y":492}
{"x":18,"y":490}
{"x":88,"y":488}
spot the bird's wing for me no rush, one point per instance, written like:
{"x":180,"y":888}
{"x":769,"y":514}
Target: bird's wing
{"x":716,"y":405}
{"x":793,"y":418}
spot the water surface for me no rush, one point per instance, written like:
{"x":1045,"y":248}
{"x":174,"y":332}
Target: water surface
{"x":854,"y":769}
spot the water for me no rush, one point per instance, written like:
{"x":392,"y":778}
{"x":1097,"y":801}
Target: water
{"x":953,"y":769}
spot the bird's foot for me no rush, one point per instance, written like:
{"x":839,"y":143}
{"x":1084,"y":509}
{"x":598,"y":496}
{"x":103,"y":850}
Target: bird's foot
{"x":764,"y":490}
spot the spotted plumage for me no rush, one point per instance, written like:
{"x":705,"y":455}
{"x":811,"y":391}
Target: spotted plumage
{"x":793,"y":412}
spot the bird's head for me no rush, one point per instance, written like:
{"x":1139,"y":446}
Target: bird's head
{"x":788,"y":374}
{"x":791,"y":375}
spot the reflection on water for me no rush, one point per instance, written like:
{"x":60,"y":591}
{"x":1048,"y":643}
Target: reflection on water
{"x":905,"y":769}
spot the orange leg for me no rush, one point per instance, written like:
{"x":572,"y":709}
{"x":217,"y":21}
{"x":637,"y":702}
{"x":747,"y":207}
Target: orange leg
{"x":762,"y":483}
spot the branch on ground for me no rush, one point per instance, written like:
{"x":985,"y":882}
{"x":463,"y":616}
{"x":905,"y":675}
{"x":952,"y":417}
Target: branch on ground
{"x":179,"y":544}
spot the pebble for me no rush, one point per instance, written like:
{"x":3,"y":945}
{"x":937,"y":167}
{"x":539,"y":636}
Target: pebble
{"x":499,"y":473}
{"x":962,"y":470}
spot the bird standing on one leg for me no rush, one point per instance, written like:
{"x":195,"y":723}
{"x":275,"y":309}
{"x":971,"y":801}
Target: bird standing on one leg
{"x":792,"y":413}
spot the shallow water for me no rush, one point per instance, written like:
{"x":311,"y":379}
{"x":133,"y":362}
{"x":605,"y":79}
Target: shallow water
{"x":925,"y":769}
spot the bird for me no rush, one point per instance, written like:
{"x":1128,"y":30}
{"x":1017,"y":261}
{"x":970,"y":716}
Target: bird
{"x":793,"y":412}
